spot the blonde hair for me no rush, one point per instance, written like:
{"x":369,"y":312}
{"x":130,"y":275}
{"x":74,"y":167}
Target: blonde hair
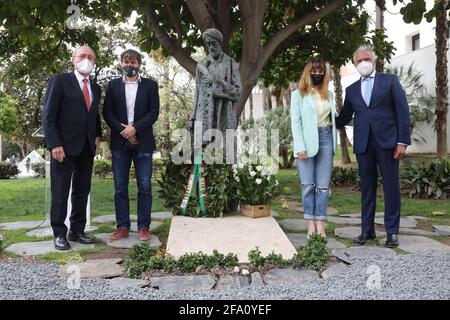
{"x":305,"y":85}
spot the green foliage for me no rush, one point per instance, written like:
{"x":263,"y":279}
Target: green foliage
{"x":427,"y":181}
{"x":9,"y":118}
{"x":1,"y":244}
{"x":345,"y":177}
{"x":143,"y":258}
{"x":39,"y":169}
{"x":280,"y":119}
{"x":314,"y":254}
{"x":219,"y":188}
{"x":255,"y":183}
{"x":8,"y":170}
{"x":257,"y":260}
{"x":102,"y":168}
{"x":189,"y":262}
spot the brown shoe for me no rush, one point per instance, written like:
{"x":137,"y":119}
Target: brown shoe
{"x":120,"y":234}
{"x":144,"y":235}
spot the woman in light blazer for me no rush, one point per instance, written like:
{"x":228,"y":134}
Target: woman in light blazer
{"x":314,"y":132}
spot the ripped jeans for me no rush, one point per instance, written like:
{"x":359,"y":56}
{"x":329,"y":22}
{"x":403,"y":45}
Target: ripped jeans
{"x":315,"y":174}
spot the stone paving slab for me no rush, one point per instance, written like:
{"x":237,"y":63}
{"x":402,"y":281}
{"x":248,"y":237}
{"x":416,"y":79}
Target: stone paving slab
{"x":345,"y":221}
{"x":121,"y":282}
{"x":48,"y":232}
{"x":111,"y":218}
{"x":294,"y":224}
{"x":299,"y":240}
{"x":405,"y":222}
{"x":358,"y":215}
{"x":330,"y":211}
{"x":442,"y":230}
{"x":180,"y":283}
{"x":41,"y":247}
{"x":291,"y":276}
{"x":153,"y":226}
{"x":417,"y":232}
{"x":231,"y":282}
{"x":92,"y":269}
{"x":127,"y":243}
{"x":257,"y":280}
{"x":419,"y":243}
{"x":334,"y":270}
{"x":418,"y":217}
{"x":347,"y":254}
{"x":353,"y":232}
{"x":231,"y":234}
{"x":274,"y":214}
{"x":162,"y":215}
{"x":17,"y":225}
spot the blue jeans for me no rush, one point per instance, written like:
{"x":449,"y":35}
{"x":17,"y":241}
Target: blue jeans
{"x":315,"y":174}
{"x":121,"y":163}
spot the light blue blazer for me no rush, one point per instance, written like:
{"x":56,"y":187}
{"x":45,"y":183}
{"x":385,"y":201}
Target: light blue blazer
{"x":304,"y":123}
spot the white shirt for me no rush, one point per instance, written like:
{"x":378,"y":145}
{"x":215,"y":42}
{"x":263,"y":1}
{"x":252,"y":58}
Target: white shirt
{"x":80,"y":78}
{"x":130,"y":97}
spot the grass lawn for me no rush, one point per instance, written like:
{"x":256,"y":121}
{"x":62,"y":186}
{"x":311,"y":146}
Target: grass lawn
{"x":24,"y":199}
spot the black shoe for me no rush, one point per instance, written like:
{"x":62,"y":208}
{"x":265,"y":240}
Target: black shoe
{"x":61,"y":243}
{"x":80,"y":238}
{"x":392,"y":241}
{"x":363,"y":237}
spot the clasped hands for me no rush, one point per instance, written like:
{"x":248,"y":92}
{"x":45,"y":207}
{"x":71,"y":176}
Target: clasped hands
{"x":129,"y":133}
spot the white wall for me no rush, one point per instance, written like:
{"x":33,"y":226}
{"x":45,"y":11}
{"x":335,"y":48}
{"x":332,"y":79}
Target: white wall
{"x":424,"y":61}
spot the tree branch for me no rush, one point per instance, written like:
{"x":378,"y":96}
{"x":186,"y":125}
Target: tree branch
{"x":173,"y":48}
{"x":283,"y":34}
{"x":174,"y":20}
{"x":201,"y":15}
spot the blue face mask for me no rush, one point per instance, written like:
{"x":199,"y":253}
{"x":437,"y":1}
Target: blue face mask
{"x":130,"y":71}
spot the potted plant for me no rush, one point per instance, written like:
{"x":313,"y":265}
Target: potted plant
{"x":256,"y":186}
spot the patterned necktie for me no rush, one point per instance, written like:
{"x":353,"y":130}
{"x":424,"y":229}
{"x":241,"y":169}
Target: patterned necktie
{"x":368,"y":90}
{"x":87,"y":99}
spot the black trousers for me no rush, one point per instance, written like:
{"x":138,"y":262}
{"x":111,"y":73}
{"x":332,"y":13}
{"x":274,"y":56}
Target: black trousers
{"x":78,"y":170}
{"x":389,"y":167}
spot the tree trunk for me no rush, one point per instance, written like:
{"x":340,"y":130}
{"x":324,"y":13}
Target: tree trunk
{"x":338,"y":100}
{"x":287,"y":97}
{"x":441,"y":81}
{"x":250,"y":102}
{"x":277,"y":92}
{"x":379,"y":24}
{"x":267,"y":99}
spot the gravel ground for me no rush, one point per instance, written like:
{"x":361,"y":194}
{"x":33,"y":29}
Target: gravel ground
{"x":412,"y":276}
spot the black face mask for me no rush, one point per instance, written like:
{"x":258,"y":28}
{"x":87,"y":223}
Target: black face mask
{"x":130,"y":71}
{"x":317,"y":79}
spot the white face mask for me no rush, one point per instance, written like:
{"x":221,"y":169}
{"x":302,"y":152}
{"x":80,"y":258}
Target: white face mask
{"x":85,"y":66}
{"x":365,"y":68}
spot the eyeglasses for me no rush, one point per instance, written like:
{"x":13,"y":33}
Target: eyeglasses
{"x":84,"y":56}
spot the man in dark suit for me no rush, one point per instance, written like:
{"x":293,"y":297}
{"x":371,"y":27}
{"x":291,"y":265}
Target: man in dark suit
{"x":131,"y":108}
{"x":72,"y":131}
{"x":381,"y":134}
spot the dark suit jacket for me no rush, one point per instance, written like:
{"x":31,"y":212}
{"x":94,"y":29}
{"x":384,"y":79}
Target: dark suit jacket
{"x":65,"y":118}
{"x":387,"y":115}
{"x":146,"y":112}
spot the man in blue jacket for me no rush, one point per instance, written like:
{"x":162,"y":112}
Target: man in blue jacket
{"x":130,"y":110}
{"x":381,"y":134}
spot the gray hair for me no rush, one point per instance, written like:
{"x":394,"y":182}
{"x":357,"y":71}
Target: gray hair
{"x":74,"y":52}
{"x":364,"y":48}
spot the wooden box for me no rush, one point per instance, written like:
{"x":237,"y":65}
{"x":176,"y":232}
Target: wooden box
{"x":254,"y":211}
